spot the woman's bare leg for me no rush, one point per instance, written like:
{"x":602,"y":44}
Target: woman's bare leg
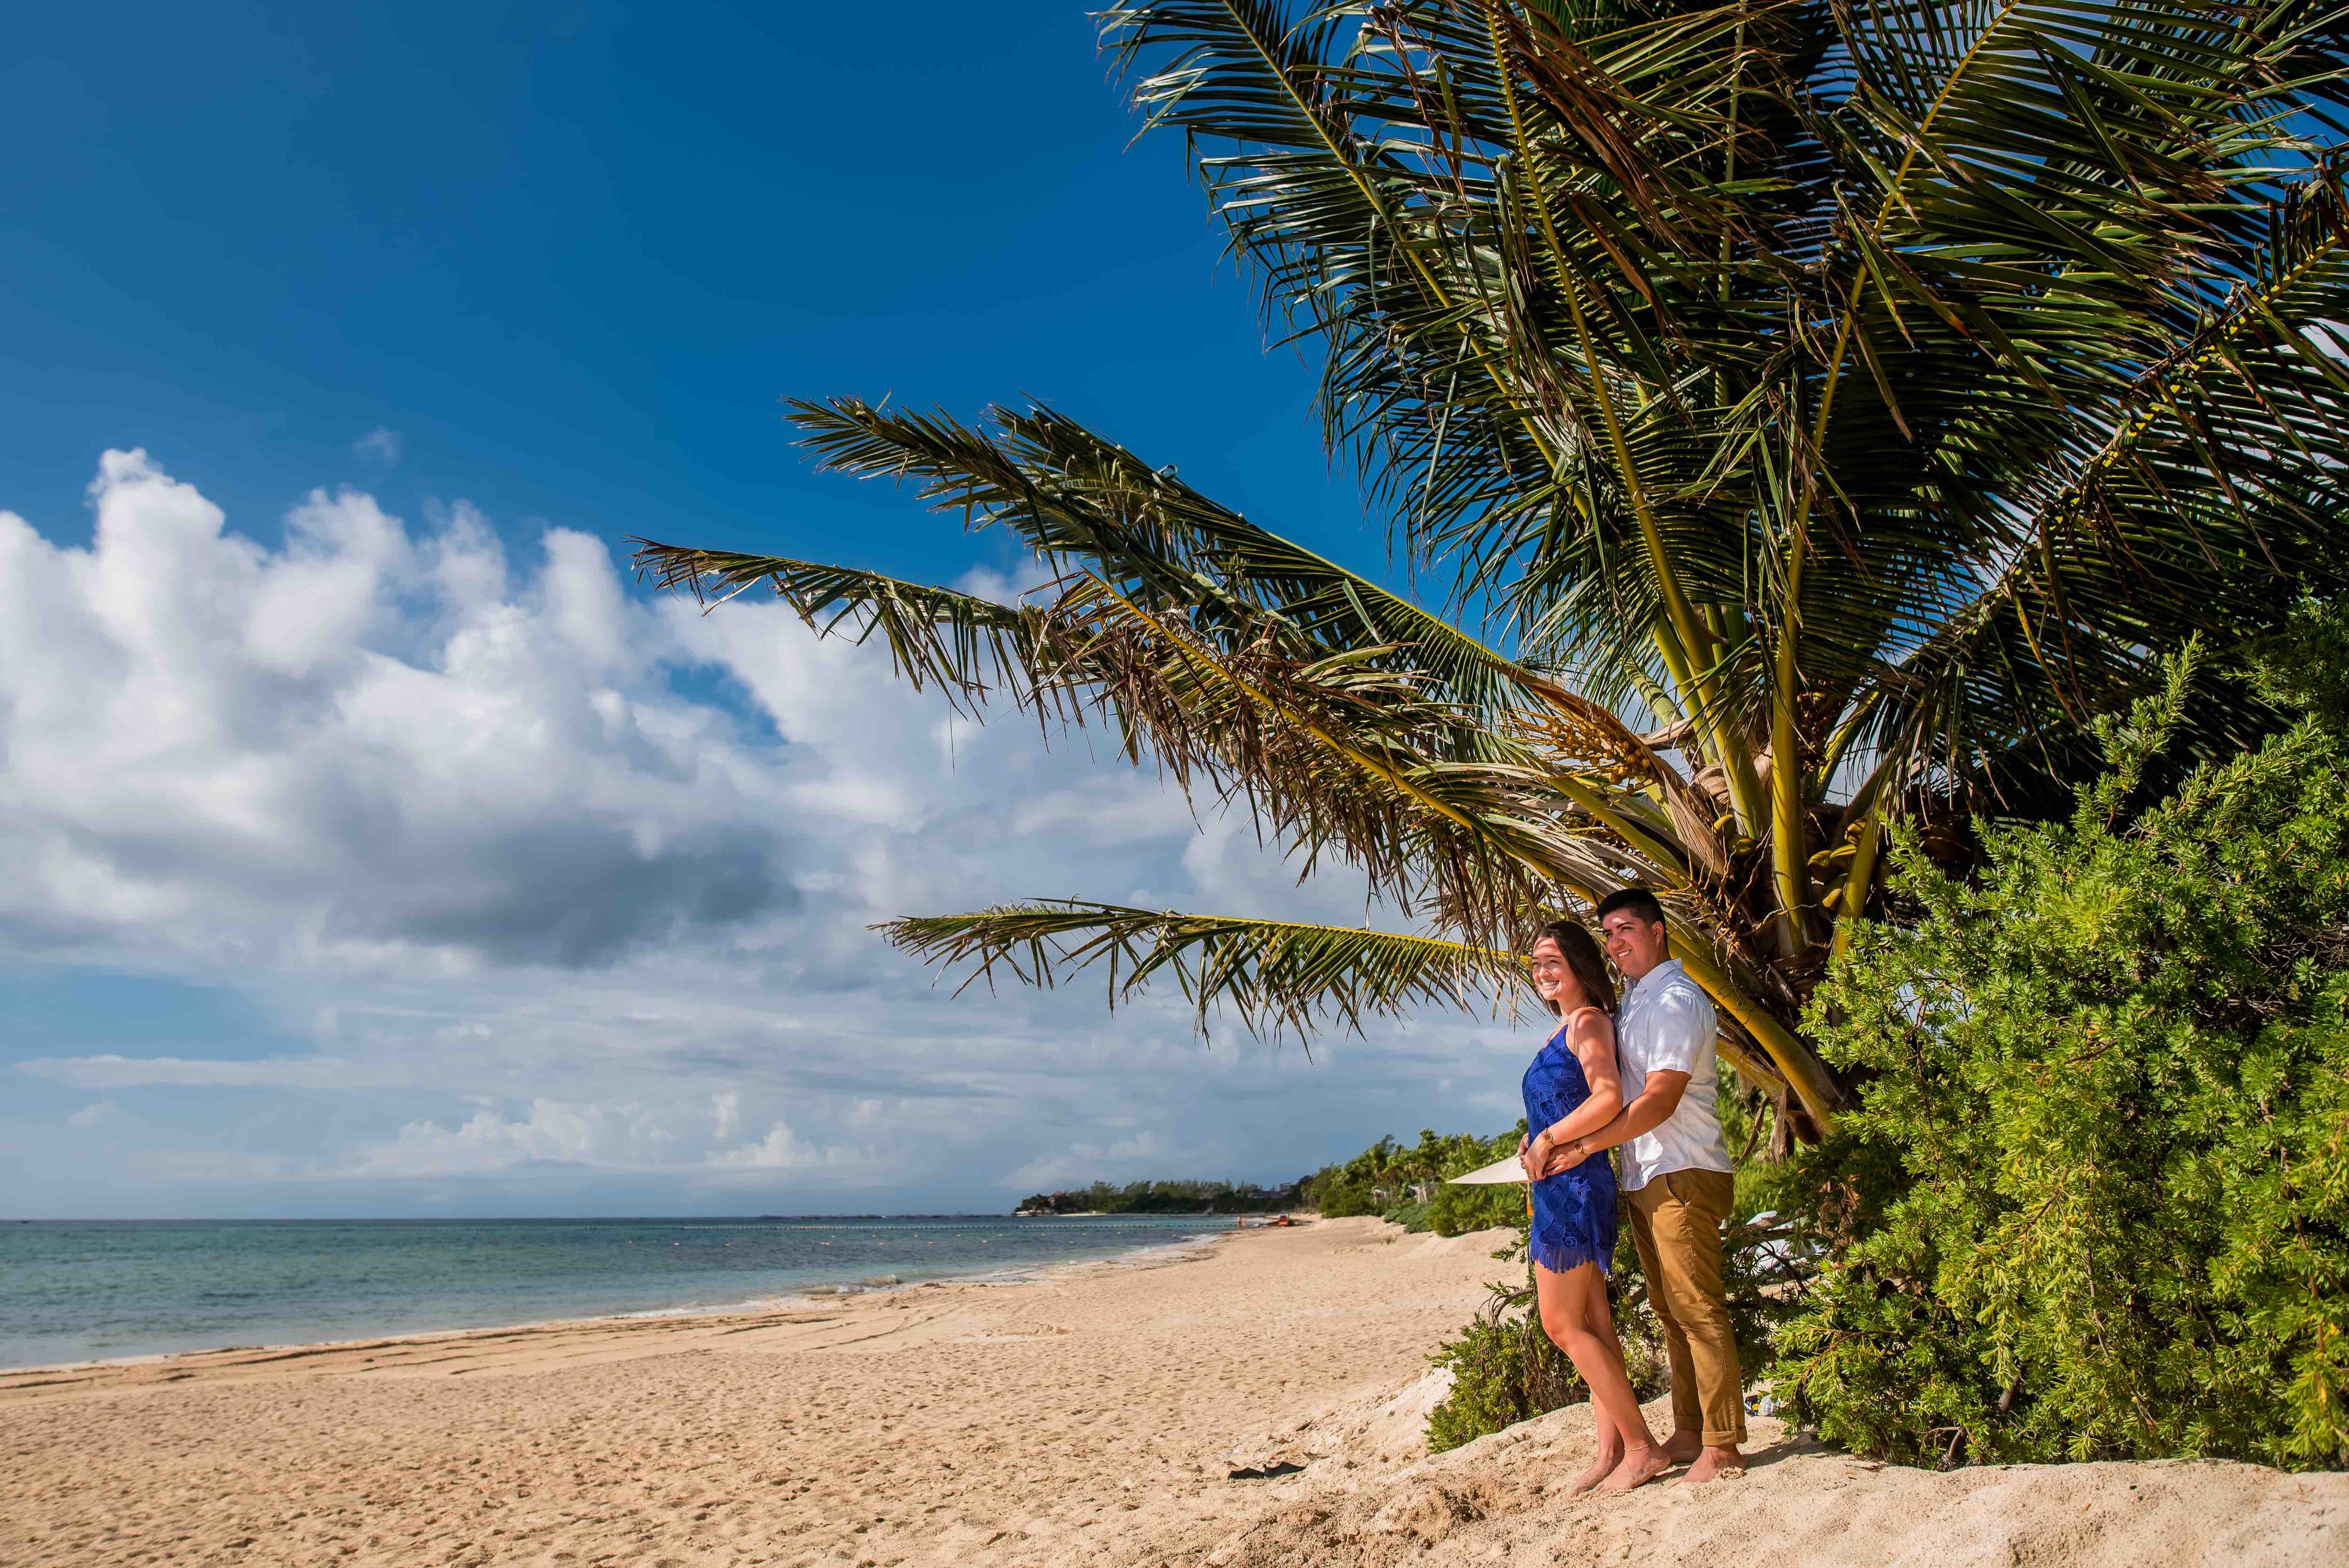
{"x":1574,"y":1314}
{"x":1603,"y":1326}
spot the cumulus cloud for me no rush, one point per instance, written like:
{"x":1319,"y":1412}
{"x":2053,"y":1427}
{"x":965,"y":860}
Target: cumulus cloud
{"x":780,"y":1149}
{"x":362,"y":749}
{"x":473,"y":820}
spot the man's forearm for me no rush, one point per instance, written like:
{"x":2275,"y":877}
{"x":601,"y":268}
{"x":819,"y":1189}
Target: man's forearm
{"x":1570,"y":1127}
{"x":1654,"y":1107}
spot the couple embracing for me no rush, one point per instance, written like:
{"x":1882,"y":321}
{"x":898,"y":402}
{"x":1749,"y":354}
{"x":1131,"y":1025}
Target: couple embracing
{"x":1640,"y":1076}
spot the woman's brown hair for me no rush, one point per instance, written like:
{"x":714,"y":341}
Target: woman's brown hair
{"x":1583,"y":960}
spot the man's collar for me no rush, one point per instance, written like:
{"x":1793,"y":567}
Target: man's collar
{"x":1664,"y":971}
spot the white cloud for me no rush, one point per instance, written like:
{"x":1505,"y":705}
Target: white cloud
{"x":778,"y":1151}
{"x":363,"y":750}
{"x":475,"y":825}
{"x":628,"y":1137}
{"x":91,"y":1114}
{"x":147,"y":1072}
{"x":378,"y":445}
{"x":553,"y":1131}
{"x":1120,"y":1159}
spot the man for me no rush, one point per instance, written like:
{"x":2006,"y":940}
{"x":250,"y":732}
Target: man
{"x":1676,"y":1178}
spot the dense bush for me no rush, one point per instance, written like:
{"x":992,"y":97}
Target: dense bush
{"x":1366,"y":1184}
{"x":1505,"y":1370}
{"x":2097,"y":1201}
{"x":1405,"y":1183}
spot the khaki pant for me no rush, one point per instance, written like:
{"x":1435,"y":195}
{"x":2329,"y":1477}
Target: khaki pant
{"x":1676,"y":1221}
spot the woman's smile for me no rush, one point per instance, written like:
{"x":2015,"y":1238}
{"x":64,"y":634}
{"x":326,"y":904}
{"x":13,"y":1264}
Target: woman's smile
{"x":1549,"y":970}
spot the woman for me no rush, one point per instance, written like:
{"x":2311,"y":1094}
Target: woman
{"x":1573,"y":1087}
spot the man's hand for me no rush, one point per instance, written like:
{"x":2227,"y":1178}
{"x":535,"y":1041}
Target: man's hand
{"x":1563,"y":1158}
{"x":1525,"y":1158}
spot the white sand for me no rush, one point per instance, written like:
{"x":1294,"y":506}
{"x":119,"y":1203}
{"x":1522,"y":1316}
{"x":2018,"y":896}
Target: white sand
{"x":1096,"y":1416}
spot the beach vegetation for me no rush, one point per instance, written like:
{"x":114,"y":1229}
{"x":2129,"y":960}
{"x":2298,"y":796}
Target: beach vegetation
{"x":1166,"y":1198}
{"x":2094,"y":1200}
{"x":1505,"y":1370}
{"x":1406,"y":1183}
{"x":1503,"y":1367}
{"x":1801,"y":419}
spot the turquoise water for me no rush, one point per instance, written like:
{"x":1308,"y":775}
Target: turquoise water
{"x":74,"y":1290}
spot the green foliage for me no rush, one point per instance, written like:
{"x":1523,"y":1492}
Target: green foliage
{"x":1503,"y":1370}
{"x":1457,"y":1211}
{"x":2304,"y":667}
{"x":1365,"y":1184}
{"x":2096,"y":1202}
{"x":1411,"y":1217}
{"x":1506,"y":1368}
{"x":1405,"y":1185}
{"x":1166,"y":1198}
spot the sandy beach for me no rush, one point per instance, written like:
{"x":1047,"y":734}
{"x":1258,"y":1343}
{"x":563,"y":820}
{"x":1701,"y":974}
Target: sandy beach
{"x":1097,"y":1415}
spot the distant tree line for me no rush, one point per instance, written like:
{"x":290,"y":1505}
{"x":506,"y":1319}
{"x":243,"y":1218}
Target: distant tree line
{"x":1166,"y":1198}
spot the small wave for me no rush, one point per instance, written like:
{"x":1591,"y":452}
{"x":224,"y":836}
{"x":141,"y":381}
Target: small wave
{"x":857,"y":1287}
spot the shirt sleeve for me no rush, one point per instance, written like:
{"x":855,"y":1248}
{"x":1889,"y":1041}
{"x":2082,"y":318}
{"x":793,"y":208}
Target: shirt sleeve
{"x":1683,"y":1027}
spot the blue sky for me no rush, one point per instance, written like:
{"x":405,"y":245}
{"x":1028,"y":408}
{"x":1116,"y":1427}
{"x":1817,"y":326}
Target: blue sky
{"x":573,"y":256}
{"x":371,"y":845}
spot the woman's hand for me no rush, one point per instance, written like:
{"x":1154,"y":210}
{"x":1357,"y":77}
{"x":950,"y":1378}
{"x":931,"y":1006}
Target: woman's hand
{"x":1526,"y":1157}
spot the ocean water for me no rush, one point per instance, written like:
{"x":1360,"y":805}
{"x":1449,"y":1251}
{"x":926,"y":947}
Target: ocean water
{"x":73,"y":1291}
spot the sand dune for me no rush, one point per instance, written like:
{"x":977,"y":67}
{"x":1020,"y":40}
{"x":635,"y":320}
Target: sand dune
{"x":1097,"y":1417}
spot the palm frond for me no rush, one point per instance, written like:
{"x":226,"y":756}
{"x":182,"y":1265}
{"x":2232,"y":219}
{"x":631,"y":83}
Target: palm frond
{"x":1082,"y":501}
{"x":1872,"y":392}
{"x":966,"y":645}
{"x":1279,"y":977}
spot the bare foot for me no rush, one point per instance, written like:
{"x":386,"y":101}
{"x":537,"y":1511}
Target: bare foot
{"x":1713,"y":1464}
{"x":1639,"y":1467}
{"x":1602,"y":1466}
{"x":1683,"y":1446}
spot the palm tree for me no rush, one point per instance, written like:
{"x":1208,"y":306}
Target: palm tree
{"x":1860,"y":396}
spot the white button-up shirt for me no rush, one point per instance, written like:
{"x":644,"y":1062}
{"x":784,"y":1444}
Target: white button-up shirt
{"x":1668,"y":1024}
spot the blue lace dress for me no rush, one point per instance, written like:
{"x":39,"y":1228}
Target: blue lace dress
{"x":1574,"y":1214}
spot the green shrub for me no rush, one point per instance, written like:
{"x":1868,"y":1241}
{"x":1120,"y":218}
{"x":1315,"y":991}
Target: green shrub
{"x":1406,"y":1183}
{"x":1359,"y":1186}
{"x":1409,"y":1216}
{"x":2095,"y":1203}
{"x":1505,"y":1370}
{"x":1457,"y":1211}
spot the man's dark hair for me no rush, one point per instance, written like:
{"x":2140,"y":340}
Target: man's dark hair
{"x":1638,"y":900}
